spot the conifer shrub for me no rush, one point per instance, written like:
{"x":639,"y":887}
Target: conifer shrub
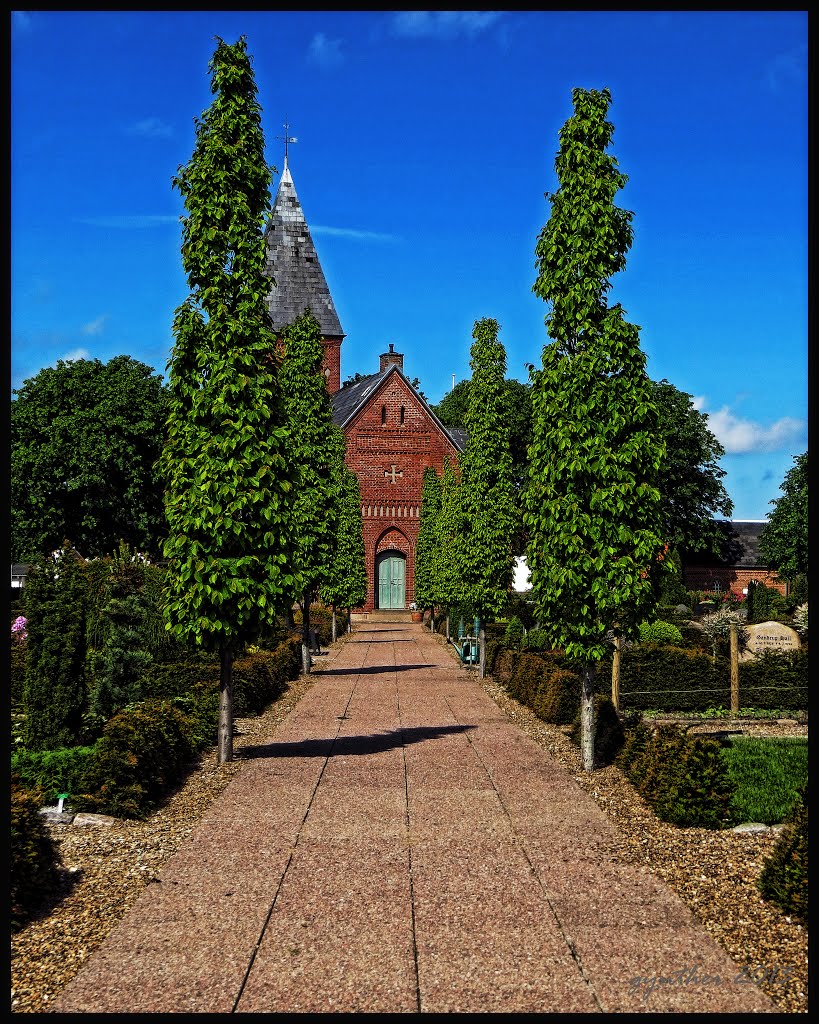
{"x":609,"y":735}
{"x":503,"y":664}
{"x":527,"y":679}
{"x":34,"y":858}
{"x":764,"y":603}
{"x":514,"y":633}
{"x":558,"y":697}
{"x":682,"y":777}
{"x":784,"y":876}
{"x":51,"y":772}
{"x":144,"y":751}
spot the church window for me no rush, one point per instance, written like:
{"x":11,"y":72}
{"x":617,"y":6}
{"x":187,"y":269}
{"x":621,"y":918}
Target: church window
{"x":383,"y":414}
{"x":402,"y":413}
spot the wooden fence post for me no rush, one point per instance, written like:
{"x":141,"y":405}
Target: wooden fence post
{"x":734,"y":670}
{"x":615,"y":674}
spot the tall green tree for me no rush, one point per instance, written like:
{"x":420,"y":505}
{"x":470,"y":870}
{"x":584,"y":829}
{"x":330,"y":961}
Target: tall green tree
{"x":54,"y":695}
{"x":345,"y":579}
{"x":85,"y":437}
{"x":450,"y":531}
{"x":426,"y":546}
{"x":593,"y":509}
{"x":317,"y":445}
{"x":227,"y":467}
{"x":484,"y":556}
{"x":784,"y":539}
{"x":690,"y":477}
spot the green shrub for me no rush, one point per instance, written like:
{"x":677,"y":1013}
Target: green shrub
{"x":609,"y":734}
{"x":176,"y":678}
{"x":765,"y":604}
{"x":518,"y":606}
{"x":503,"y":664}
{"x":558,"y":697}
{"x":784,"y":877}
{"x":34,"y":859}
{"x":143,"y":752}
{"x":527,"y":678}
{"x":682,"y":777}
{"x":536,"y":640}
{"x":17,"y":670}
{"x":514,"y":633}
{"x":775,"y":679}
{"x":51,"y":772}
{"x":660,"y":632}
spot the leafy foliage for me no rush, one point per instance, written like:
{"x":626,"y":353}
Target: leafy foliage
{"x":449,"y":537}
{"x":226,"y":463}
{"x":427,"y":548}
{"x":593,"y":509}
{"x":484,"y":556}
{"x":764,"y":603}
{"x":85,"y":436}
{"x":690,"y":477}
{"x":345,"y":580}
{"x":659,"y":632}
{"x":783,"y":542}
{"x":34,"y":858}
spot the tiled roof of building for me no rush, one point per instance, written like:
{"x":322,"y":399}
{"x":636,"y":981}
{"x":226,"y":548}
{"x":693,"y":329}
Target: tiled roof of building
{"x":740,"y":544}
{"x":293,"y":264}
{"x":349,"y":400}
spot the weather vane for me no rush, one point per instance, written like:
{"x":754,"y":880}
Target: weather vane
{"x":286,"y":138}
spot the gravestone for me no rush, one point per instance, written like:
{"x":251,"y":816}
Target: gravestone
{"x":769,"y":636}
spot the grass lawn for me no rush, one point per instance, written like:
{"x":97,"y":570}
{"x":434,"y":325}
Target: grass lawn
{"x":768,"y":774}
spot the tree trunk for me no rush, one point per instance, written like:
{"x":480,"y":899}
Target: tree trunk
{"x":734,"y":670}
{"x":349,"y":620}
{"x":587,"y":717}
{"x":615,"y":673}
{"x":334,"y":624}
{"x":447,"y":627}
{"x":305,"y":635}
{"x":432,"y":619}
{"x":225,"y":705}
{"x":482,"y":649}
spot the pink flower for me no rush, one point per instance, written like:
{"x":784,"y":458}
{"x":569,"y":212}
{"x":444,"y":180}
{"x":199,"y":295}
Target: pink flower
{"x":18,"y":627}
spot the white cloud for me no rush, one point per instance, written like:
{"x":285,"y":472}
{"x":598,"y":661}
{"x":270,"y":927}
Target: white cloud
{"x":151,"y":128}
{"x":325,"y":52}
{"x":76,"y":353}
{"x":354,"y":233}
{"x":94,"y":327}
{"x":443,"y":24}
{"x":738,"y":436}
{"x":128,"y":221}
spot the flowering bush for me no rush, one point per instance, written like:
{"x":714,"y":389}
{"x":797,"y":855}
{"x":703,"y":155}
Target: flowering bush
{"x":717,"y":626}
{"x":800,"y":620}
{"x":18,"y":627}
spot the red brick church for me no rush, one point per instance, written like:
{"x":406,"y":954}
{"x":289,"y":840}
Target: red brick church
{"x":391,"y":433}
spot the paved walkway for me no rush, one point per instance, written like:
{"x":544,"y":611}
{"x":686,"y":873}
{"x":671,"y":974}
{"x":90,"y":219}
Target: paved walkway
{"x":402,"y":847}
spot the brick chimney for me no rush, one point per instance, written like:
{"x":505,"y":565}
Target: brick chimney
{"x":391,"y":357}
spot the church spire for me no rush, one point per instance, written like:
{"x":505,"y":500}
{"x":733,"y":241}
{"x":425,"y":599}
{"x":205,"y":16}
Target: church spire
{"x":293,"y":266}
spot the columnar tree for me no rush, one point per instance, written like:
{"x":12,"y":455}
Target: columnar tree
{"x":449,"y":530}
{"x":488,"y":518}
{"x":593,"y":510}
{"x":55,"y":598}
{"x":345,"y":579}
{"x":317,"y":445}
{"x":227,"y":467}
{"x":427,"y":547}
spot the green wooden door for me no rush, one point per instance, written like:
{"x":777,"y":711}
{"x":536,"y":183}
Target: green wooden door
{"x":391,"y":581}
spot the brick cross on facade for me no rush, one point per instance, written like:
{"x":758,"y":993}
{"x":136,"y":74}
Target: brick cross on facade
{"x":393,"y":473}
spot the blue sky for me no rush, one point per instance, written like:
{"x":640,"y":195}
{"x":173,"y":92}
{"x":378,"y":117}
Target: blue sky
{"x":426,"y":142}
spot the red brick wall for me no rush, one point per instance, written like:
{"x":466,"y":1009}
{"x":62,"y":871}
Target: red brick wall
{"x":375,"y":443}
{"x":698,"y":577}
{"x":332,"y":363}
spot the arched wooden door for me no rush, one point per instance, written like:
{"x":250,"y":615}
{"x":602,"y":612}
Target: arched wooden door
{"x":391,"y":572}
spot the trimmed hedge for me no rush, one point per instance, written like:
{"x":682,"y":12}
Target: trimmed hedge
{"x":34,"y":859}
{"x":683,"y":778}
{"x":784,"y":877}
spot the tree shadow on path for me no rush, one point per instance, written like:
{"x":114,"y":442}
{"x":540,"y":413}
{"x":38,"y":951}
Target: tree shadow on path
{"x":374,"y":743}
